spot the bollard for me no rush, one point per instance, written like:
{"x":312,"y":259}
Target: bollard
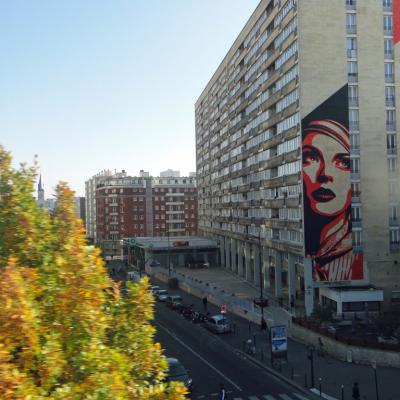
{"x":320,"y":387}
{"x":342,"y":387}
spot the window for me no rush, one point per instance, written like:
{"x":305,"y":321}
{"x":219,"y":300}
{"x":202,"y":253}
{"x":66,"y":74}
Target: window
{"x":394,"y":236}
{"x":355,"y":189}
{"x":352,"y":69}
{"x":388,"y":24}
{"x":354,"y":141}
{"x":393,"y":212}
{"x":357,"y":237}
{"x":355,"y":165}
{"x":389,"y":72}
{"x":390,"y":119}
{"x":389,"y":96}
{"x":388,"y":47}
{"x":392,"y":164}
{"x":351,"y":47}
{"x":356,"y":213}
{"x":353,"y":93}
{"x":387,"y":4}
{"x":351,"y":23}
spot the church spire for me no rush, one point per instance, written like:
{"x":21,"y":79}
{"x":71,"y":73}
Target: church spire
{"x":40,"y":192}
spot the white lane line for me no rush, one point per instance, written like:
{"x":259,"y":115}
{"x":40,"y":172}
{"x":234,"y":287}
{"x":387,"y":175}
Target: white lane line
{"x":253,"y":398}
{"x":198,"y":356}
{"x":299,"y":396}
{"x":284,"y":396}
{"x":269,"y":397}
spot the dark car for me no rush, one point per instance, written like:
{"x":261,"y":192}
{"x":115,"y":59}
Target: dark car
{"x":177,"y":372}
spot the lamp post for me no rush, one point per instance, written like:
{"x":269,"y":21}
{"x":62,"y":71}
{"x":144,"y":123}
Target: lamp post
{"x":373,"y":364}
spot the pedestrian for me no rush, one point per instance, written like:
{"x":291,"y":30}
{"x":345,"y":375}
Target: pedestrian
{"x":205,"y":303}
{"x":263,"y":324}
{"x":222,"y":393}
{"x":356,"y":391}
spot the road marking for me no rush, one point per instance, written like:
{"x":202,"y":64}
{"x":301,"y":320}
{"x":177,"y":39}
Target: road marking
{"x":269,"y":397}
{"x":284,"y":396}
{"x":253,"y":398}
{"x":299,"y":396}
{"x":199,"y":356}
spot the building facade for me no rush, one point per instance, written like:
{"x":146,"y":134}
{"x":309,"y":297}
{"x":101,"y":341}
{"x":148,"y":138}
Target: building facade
{"x":297,"y":152}
{"x":143,"y":206}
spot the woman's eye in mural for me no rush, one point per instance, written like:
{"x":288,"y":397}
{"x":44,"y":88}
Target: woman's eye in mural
{"x":342,"y":161}
{"x":311,"y":155}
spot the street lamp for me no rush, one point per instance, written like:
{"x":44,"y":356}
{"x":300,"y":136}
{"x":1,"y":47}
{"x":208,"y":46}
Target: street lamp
{"x":373,"y":364}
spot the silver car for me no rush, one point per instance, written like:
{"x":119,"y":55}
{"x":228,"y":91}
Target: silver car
{"x":161,"y":295}
{"x":218,"y":324}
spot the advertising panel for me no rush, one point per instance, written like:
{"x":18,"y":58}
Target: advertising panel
{"x":278,"y":342}
{"x":327,"y":191}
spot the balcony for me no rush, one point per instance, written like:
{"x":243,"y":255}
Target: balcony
{"x":390,"y":101}
{"x":354,"y":125}
{"x":355,"y":176}
{"x":351,"y":29}
{"x":394,"y":247}
{"x":389,"y":55}
{"x":388,"y":31}
{"x":357,"y":223}
{"x":352,"y":77}
{"x":393,"y":222}
{"x":392,"y":151}
{"x":351,"y":53}
{"x":357,"y":248}
{"x":350,"y":5}
{"x":353,"y":101}
{"x":389,"y":78}
{"x":390,"y":126}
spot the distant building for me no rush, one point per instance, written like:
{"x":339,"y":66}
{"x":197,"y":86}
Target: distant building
{"x":80,"y":208}
{"x":90,"y":195}
{"x":141,"y":206}
{"x":169,"y":173}
{"x":40,"y":194}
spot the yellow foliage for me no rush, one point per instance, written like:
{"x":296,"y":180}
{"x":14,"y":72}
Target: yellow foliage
{"x":65,"y":330}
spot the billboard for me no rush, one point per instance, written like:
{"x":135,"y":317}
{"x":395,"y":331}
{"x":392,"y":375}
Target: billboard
{"x":327,"y":191}
{"x":278,"y":342}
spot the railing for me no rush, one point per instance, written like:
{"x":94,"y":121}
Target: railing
{"x":349,"y":340}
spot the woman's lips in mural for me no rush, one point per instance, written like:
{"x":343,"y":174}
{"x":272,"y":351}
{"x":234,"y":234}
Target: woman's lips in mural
{"x":323,"y":195}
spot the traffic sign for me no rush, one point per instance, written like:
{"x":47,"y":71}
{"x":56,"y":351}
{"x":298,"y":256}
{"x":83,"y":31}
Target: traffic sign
{"x":223,"y":309}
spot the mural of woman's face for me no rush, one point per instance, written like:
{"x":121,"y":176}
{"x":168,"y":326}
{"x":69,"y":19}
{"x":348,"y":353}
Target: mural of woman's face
{"x":326,"y":168}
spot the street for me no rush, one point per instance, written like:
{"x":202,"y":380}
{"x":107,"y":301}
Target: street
{"x":211,"y":362}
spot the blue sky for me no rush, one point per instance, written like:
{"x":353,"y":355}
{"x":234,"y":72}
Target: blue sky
{"x":92,"y":85}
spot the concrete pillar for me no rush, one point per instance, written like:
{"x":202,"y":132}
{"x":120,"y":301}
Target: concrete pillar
{"x":291,"y":276}
{"x":247,"y":260}
{"x":240,"y":258}
{"x":267,"y":281}
{"x":228,"y":253}
{"x":256,"y":252}
{"x":233,"y":254}
{"x":308,"y":285}
{"x":278,"y":274}
{"x":222,"y":250}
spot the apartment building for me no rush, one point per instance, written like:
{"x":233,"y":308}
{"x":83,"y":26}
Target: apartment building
{"x":297,"y":151}
{"x":128,"y":207}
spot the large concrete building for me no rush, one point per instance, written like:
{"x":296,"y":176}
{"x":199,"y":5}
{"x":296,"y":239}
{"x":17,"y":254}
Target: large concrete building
{"x":297,"y":151}
{"x":143,"y":206}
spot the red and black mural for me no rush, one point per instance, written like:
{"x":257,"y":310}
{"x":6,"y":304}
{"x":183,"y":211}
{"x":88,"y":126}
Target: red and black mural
{"x":396,"y":21}
{"x":327,"y":191}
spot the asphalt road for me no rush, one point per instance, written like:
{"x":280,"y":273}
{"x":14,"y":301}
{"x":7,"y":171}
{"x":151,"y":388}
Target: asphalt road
{"x":211,"y":362}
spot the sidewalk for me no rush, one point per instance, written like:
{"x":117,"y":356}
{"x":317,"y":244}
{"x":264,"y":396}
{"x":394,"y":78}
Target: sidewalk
{"x":223,"y":287}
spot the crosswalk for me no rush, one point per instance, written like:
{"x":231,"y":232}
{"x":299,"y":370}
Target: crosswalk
{"x":281,"y":396}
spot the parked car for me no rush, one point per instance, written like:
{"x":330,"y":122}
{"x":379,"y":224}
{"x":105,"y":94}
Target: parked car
{"x":161,"y":295}
{"x":175,"y":302}
{"x":177,"y":372}
{"x":218,"y":324}
{"x":155,"y":289}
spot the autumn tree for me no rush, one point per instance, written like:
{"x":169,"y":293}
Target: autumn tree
{"x":65,"y":330}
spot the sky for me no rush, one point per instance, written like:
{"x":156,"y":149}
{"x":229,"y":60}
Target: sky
{"x":93,"y":85}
